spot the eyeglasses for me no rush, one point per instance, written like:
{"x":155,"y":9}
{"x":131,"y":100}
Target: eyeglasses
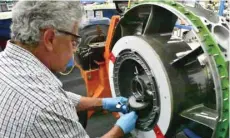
{"x":68,"y":33}
{"x":77,"y":38}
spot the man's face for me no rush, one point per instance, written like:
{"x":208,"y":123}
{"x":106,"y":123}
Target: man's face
{"x":62,"y":52}
{"x":60,"y":48}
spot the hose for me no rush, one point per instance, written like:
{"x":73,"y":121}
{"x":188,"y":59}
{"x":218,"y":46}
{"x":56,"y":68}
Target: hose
{"x":67,"y":73}
{"x":71,"y":69}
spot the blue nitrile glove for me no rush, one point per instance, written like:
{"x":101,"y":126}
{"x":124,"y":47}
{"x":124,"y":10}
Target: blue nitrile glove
{"x":111,"y":104}
{"x":127,"y":122}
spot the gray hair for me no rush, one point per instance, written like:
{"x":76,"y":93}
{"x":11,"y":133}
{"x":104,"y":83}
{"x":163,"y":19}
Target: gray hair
{"x":29,"y":17}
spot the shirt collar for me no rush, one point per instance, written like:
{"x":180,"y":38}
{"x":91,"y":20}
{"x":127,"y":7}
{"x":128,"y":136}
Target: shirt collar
{"x":20,"y":53}
{"x":24,"y":55}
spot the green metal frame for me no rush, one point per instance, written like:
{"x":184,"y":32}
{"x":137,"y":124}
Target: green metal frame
{"x":214,"y":51}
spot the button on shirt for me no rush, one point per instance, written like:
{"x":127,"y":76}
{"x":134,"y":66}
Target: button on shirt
{"x":32,"y":101}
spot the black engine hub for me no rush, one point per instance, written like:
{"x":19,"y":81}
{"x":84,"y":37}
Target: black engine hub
{"x":133,"y":79}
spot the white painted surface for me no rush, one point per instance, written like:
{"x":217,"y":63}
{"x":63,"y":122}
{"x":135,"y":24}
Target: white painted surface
{"x":5,"y":15}
{"x":152,"y":59}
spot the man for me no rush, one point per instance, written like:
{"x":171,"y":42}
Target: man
{"x":33,"y":103}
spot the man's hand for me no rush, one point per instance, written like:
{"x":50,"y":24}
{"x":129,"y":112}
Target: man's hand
{"x":112,"y":103}
{"x":127,"y":122}
{"x":124,"y":125}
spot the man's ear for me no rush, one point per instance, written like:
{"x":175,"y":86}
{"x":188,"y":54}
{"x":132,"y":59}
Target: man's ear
{"x":48,"y":38}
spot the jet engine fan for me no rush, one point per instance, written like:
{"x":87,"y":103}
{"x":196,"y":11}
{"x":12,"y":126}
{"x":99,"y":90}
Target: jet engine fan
{"x":171,"y":82}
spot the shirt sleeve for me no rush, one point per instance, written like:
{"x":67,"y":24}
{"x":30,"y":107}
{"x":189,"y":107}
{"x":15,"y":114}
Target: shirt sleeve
{"x":57,"y":120}
{"x":75,"y":98}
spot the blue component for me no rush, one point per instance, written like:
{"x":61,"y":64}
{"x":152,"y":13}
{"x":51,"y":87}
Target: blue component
{"x":221,"y":8}
{"x":92,"y":1}
{"x":71,"y":63}
{"x":190,"y":134}
{"x":183,"y":27}
{"x":5,"y":28}
{"x":96,"y":21}
{"x":108,"y":12}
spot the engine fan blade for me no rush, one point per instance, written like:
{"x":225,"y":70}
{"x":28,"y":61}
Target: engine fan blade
{"x":182,"y":60}
{"x":201,"y":114}
{"x":160,"y":26}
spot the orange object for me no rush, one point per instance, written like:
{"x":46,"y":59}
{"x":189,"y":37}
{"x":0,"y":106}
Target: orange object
{"x":107,"y":54}
{"x":97,"y":80}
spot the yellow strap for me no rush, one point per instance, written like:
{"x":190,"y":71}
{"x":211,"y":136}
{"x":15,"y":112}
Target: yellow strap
{"x":129,"y":3}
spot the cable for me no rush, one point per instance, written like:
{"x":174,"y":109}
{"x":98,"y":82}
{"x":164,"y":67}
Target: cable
{"x":65,"y":74}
